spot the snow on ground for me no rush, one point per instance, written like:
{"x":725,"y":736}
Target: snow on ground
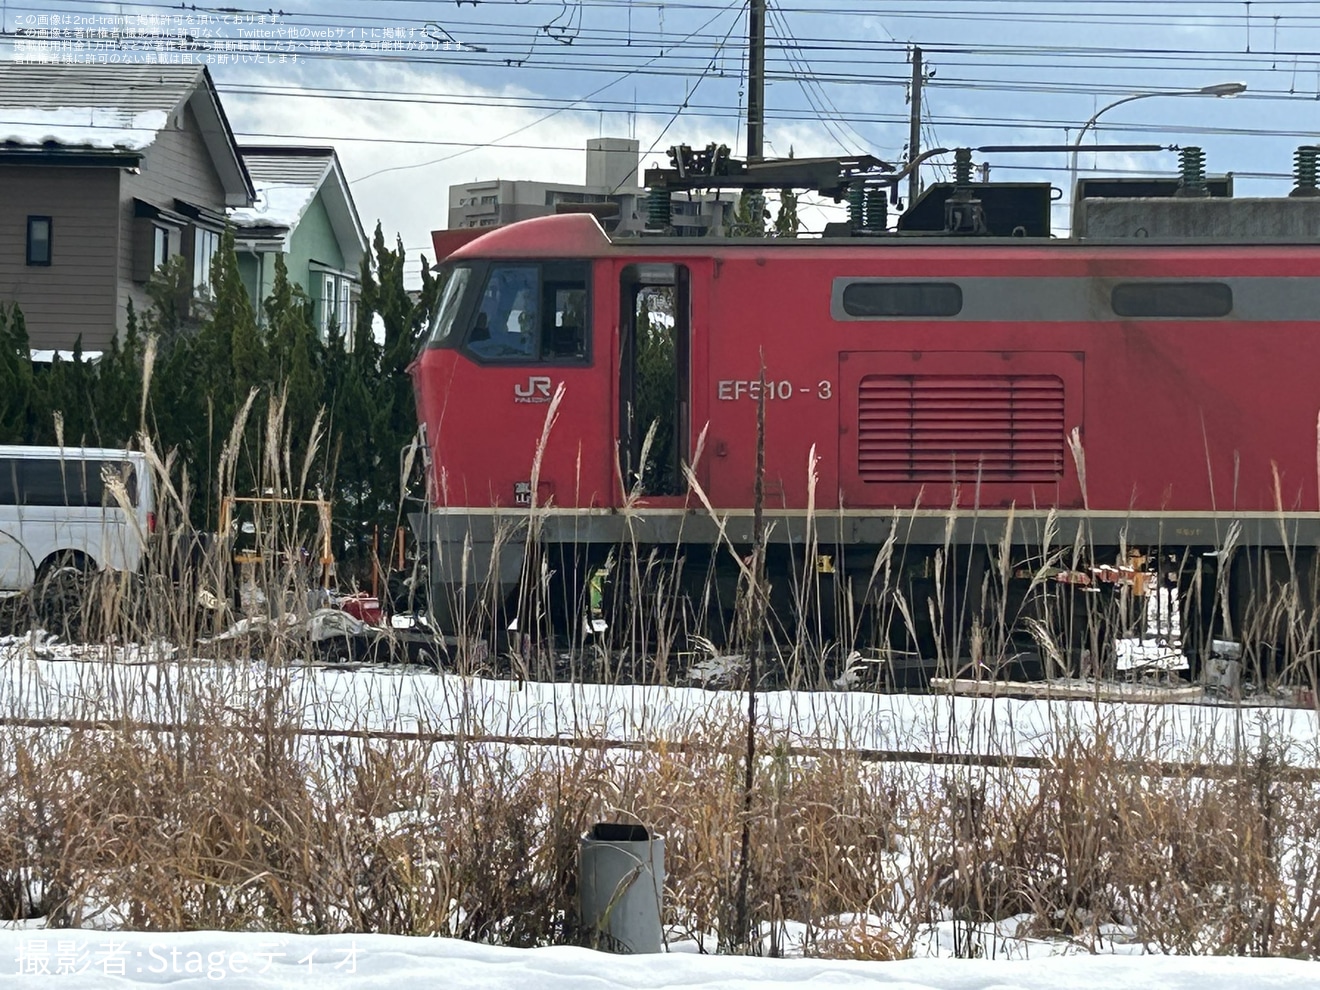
{"x":263,"y":961}
{"x":42,"y":679}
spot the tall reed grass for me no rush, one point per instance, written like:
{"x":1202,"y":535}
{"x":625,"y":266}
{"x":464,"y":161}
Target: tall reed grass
{"x":175,"y":783}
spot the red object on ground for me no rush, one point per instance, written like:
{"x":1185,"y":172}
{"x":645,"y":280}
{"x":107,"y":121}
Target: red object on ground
{"x":363,"y":607}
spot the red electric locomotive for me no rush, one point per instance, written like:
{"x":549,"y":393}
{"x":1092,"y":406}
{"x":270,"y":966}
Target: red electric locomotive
{"x":960,"y":403}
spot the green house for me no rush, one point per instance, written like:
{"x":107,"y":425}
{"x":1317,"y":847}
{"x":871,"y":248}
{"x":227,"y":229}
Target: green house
{"x":303,"y":211}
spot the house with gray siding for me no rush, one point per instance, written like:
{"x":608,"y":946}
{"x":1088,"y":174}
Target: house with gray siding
{"x":106,"y":173}
{"x":304,"y":212}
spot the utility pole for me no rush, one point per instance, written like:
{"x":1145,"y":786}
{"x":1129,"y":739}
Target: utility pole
{"x":914,"y":132}
{"x":755,"y":80}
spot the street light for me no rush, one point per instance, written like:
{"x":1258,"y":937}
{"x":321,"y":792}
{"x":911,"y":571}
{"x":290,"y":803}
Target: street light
{"x":1218,"y":89}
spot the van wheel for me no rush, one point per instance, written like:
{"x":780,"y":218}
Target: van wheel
{"x":61,"y":596}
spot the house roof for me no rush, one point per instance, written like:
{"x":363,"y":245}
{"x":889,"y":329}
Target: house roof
{"x":63,"y":111}
{"x":287,"y":178}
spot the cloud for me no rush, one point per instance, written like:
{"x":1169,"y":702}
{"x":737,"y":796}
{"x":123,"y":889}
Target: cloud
{"x":373,"y":135}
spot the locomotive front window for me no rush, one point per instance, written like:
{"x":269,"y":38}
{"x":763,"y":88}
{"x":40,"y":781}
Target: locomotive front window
{"x":507,"y":322}
{"x":532,"y":313}
{"x":446,"y":311}
{"x":1188,"y":300}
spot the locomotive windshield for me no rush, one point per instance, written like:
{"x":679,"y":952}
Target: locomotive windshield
{"x":508,"y":319}
{"x":446,"y":311}
{"x":516,"y":312}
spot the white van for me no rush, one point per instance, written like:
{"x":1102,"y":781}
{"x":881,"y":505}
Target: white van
{"x":88,"y":508}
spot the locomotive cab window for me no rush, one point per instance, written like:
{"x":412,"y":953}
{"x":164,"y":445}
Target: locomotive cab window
{"x":445,"y":319}
{"x":1188,"y":300}
{"x":528,"y":313}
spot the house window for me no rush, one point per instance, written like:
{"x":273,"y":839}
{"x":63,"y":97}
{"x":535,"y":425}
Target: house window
{"x":205,"y":247}
{"x":339,"y":295}
{"x":160,"y":246}
{"x":328,"y":295}
{"x":345,"y":308}
{"x":38,"y":240}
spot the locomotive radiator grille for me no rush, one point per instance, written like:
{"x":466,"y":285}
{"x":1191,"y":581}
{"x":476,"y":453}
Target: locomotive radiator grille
{"x":937,"y":428}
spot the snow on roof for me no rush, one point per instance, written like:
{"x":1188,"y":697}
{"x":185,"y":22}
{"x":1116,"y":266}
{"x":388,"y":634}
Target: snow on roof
{"x":104,"y":128}
{"x":276,"y":205}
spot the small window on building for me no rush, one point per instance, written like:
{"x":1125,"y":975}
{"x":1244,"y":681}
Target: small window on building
{"x":338,"y":304}
{"x":888,"y":300}
{"x":205,"y":247}
{"x":38,"y":240}
{"x":1187,"y":300}
{"x":160,"y":246}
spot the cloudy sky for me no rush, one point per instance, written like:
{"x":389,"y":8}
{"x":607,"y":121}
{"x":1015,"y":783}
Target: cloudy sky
{"x":419,"y":94}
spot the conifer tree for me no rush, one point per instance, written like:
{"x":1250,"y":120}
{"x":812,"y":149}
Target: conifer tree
{"x":229,"y":360}
{"x":118,"y":386}
{"x":15,"y":377}
{"x":65,"y":389}
{"x":295,"y":359}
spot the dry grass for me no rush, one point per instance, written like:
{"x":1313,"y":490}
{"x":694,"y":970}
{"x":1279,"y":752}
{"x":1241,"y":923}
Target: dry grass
{"x":235,"y":821}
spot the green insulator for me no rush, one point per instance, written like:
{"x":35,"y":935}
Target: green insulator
{"x":659,"y":208}
{"x":857,"y":206}
{"x":1305,"y":171}
{"x":877,"y":209}
{"x":962,"y":166}
{"x":1192,"y":163}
